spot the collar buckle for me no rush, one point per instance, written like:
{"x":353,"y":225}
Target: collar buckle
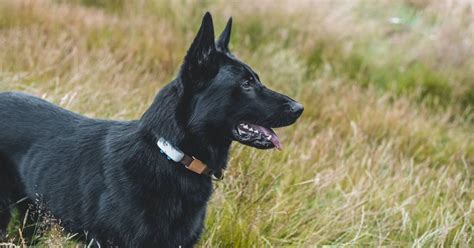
{"x":214,"y":178}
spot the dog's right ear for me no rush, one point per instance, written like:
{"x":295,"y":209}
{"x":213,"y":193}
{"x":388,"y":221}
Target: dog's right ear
{"x":223,"y":41}
{"x":201,"y":55}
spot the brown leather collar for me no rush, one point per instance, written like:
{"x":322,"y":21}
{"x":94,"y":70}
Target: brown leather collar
{"x":197,"y":166}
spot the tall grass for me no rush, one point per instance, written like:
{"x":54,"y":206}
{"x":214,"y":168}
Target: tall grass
{"x":384,"y":152}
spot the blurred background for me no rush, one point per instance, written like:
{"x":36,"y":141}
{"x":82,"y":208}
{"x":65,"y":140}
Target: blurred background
{"x":383,"y":154}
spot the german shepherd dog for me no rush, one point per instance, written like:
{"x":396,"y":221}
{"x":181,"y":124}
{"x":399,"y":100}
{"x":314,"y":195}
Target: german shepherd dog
{"x":110,"y":180}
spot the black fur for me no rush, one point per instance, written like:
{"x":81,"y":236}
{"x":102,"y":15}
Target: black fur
{"x":108,"y":178}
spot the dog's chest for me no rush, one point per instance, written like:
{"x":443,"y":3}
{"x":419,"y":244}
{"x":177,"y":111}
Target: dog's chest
{"x":184,"y":208}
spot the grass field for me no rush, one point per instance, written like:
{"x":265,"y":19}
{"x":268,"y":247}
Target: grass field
{"x":383,"y":154}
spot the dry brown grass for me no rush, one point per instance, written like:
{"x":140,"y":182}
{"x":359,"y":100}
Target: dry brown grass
{"x":383,"y":154}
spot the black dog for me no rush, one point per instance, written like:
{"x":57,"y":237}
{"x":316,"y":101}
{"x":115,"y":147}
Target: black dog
{"x":109,"y":179}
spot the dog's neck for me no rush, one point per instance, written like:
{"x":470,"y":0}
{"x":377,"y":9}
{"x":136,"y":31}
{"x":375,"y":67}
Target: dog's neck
{"x":167,"y":118}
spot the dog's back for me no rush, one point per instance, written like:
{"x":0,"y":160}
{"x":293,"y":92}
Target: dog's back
{"x":25,"y":119}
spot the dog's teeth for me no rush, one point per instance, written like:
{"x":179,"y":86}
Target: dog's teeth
{"x":251,"y":130}
{"x":255,"y":131}
{"x":246,"y":126}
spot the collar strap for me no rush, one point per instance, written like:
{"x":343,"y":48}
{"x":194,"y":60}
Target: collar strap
{"x":191,"y":163}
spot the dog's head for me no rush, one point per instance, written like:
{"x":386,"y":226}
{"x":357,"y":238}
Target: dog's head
{"x":227,"y":98}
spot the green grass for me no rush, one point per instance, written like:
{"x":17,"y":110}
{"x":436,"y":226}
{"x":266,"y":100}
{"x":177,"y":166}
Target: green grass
{"x":383,"y":154}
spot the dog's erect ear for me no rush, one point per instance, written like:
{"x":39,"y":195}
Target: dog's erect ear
{"x":203,"y":49}
{"x":223,"y":41}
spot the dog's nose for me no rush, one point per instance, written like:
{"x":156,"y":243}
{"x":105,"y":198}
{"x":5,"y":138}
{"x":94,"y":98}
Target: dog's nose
{"x":296,"y":109}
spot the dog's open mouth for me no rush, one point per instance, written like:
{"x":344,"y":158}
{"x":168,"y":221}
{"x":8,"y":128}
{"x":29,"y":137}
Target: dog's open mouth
{"x":256,"y":136}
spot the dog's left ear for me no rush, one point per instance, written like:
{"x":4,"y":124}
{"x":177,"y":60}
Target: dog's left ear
{"x":199,"y":60}
{"x":223,"y":41}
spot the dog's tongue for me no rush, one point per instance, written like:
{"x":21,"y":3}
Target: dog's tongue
{"x":276,"y":142}
{"x":273,"y":137}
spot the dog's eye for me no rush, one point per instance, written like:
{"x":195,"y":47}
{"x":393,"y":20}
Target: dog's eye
{"x":246,"y":84}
